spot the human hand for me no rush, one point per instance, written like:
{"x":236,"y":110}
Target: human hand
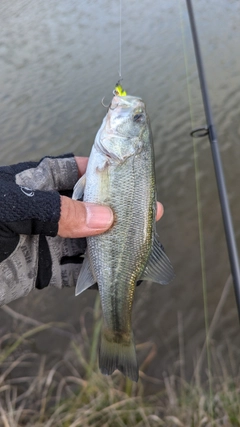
{"x":45,"y":258}
{"x":81,"y":219}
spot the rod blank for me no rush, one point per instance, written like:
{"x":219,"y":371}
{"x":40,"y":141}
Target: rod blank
{"x":226,"y":214}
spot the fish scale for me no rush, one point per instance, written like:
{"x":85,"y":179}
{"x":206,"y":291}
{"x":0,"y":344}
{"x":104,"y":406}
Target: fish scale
{"x":118,"y":255}
{"x":121,"y":174}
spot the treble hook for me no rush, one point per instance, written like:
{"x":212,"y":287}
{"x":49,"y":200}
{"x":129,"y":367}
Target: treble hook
{"x":105,"y":106}
{"x":109,"y":105}
{"x":118,"y":91}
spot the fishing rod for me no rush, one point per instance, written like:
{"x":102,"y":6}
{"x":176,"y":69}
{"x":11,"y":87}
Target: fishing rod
{"x":211,"y":132}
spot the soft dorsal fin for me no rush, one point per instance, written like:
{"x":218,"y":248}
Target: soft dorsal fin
{"x":159,"y":268}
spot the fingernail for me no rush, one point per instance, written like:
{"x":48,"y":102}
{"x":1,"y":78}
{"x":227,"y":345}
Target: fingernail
{"x":98,"y":217}
{"x":160,"y":211}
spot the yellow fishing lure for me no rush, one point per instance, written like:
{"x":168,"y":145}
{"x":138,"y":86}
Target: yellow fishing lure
{"x":119,"y":91}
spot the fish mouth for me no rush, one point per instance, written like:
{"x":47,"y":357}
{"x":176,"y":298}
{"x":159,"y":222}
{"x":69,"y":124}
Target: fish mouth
{"x":124,"y":106}
{"x":124,"y":116}
{"x":125,"y":101}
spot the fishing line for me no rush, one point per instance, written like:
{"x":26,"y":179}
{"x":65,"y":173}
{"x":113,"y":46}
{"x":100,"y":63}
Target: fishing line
{"x":120,"y":40}
{"x":199,"y":205}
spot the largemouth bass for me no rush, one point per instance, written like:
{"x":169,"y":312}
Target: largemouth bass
{"x":120,"y":174}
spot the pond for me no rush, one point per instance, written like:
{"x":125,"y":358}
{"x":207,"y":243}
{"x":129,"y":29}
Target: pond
{"x":58,"y":59}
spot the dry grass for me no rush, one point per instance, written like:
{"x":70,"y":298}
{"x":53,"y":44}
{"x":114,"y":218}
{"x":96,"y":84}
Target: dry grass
{"x":72,"y":392}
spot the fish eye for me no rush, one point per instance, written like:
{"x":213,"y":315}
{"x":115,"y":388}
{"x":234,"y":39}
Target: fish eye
{"x":139,"y":117}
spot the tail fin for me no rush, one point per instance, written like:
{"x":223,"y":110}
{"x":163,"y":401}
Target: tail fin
{"x":118,"y":354}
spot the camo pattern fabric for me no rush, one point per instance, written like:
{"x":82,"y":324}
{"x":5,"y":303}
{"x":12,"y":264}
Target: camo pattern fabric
{"x":50,"y":174}
{"x":41,"y":259}
{"x":18,"y":272}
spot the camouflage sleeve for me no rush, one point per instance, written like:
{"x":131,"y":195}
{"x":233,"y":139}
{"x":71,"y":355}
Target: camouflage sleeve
{"x":29,"y":212}
{"x":26,"y":212}
{"x":50,"y":173}
{"x":30,"y":198}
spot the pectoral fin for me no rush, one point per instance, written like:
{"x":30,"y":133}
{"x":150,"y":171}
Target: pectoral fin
{"x":159,"y":268}
{"x":79,"y":188}
{"x":85,"y":278}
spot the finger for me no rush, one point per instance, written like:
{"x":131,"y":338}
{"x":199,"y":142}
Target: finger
{"x":160,"y":211}
{"x":81,"y":164}
{"x":80,"y":219}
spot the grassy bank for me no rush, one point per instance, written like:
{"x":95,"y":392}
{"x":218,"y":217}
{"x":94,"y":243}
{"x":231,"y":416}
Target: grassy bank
{"x":71,"y":392}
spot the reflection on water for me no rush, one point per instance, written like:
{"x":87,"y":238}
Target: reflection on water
{"x":57,"y":61}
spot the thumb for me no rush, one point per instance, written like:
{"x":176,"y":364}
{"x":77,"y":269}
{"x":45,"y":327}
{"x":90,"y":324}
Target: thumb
{"x":81,"y":219}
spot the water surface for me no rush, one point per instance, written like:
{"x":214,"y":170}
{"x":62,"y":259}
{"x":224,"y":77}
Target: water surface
{"x":57,"y":60}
